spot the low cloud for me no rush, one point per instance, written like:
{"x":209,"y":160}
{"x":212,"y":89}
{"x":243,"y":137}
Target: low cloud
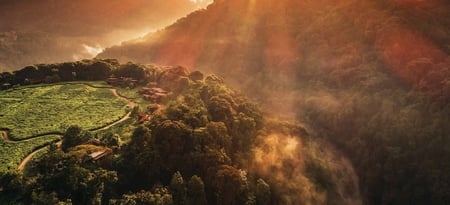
{"x":49,"y":31}
{"x":92,"y":50}
{"x":285,"y":161}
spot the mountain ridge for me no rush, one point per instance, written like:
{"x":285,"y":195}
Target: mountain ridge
{"x":372,"y":77}
{"x":265,"y":36}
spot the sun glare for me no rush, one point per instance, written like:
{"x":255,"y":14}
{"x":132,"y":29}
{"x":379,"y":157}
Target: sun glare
{"x":92,"y":50}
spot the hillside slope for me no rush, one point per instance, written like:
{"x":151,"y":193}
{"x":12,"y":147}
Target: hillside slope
{"x":373,"y":77}
{"x":186,"y":138}
{"x":406,"y":40}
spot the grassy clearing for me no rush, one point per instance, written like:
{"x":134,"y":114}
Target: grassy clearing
{"x":31,"y":111}
{"x":96,"y":84}
{"x":12,"y":153}
{"x":123,"y":129}
{"x":129,"y":93}
{"x":133,"y":95}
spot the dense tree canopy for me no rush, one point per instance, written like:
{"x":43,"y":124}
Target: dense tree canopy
{"x":85,"y":70}
{"x":74,"y":136}
{"x":197,"y":146}
{"x":188,"y":140}
{"x":372,"y":76}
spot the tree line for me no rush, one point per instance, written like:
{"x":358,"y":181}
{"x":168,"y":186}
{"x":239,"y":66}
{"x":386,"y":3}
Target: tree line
{"x":85,"y":70}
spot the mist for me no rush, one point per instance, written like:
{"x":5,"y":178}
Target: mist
{"x":301,"y":168}
{"x":368,"y":81}
{"x":46,"y":31}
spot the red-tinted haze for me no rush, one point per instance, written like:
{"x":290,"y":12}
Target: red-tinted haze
{"x":70,"y":30}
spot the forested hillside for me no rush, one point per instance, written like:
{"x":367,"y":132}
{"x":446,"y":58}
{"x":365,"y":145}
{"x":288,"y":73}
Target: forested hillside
{"x":187,"y":138}
{"x":407,"y":39}
{"x":372,"y":77}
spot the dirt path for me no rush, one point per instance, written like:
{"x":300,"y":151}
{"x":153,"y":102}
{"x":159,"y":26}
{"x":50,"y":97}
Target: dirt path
{"x":130,"y":103}
{"x":31,"y":155}
{"x":9,"y":140}
{"x":114,"y":123}
{"x":24,"y":162}
{"x":114,"y":91}
{"x":28,"y":158}
{"x":5,"y":135}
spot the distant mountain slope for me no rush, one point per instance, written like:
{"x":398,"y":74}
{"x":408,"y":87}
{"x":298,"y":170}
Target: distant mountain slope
{"x":47,"y":31}
{"x":407,"y":38}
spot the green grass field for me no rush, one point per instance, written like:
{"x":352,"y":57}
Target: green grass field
{"x":12,"y":153}
{"x":31,"y":111}
{"x":133,"y":95}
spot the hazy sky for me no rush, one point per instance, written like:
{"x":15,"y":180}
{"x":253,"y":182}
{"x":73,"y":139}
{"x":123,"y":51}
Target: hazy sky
{"x":43,"y":31}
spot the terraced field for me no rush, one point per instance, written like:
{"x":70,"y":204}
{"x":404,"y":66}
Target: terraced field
{"x":34,"y":116}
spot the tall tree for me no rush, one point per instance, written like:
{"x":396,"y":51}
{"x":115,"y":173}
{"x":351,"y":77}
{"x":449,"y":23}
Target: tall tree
{"x":196,"y":191}
{"x":178,"y":189}
{"x":74,"y":136}
{"x":263,"y":193}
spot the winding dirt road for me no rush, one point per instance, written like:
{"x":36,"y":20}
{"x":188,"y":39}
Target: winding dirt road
{"x":125,"y":117}
{"x":24,"y":162}
{"x":5,"y":135}
{"x":130,"y":103}
{"x":31,"y":155}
